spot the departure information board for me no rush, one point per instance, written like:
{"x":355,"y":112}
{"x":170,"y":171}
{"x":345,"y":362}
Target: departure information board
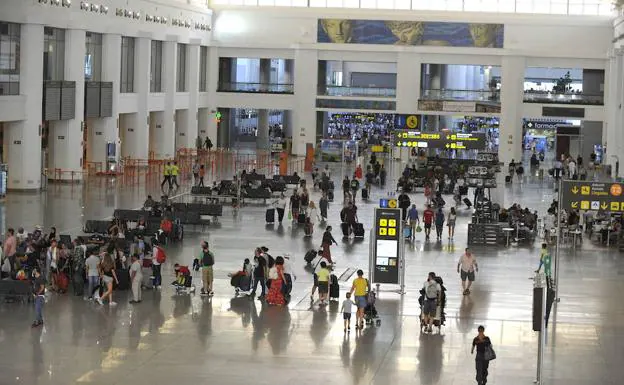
{"x":387,"y":245}
{"x":596,"y":196}
{"x":440,"y":140}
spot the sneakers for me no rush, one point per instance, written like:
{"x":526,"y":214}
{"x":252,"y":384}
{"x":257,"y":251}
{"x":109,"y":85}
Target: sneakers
{"x":36,"y":324}
{"x":466,"y":292}
{"x":99,"y":300}
{"x":112,"y":303}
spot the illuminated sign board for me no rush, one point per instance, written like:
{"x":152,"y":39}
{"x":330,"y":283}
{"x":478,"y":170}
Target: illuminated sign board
{"x":596,"y":196}
{"x":442,"y":140}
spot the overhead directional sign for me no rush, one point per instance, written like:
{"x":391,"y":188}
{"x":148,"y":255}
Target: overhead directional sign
{"x":594,"y":196}
{"x":441,"y":140}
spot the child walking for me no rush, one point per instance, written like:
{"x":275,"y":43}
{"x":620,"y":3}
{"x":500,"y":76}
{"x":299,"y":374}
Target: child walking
{"x":347,"y":304}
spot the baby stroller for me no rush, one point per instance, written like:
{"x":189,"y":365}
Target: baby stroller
{"x":241,"y":283}
{"x":184,"y":281}
{"x":440,"y":317}
{"x":370,"y":311}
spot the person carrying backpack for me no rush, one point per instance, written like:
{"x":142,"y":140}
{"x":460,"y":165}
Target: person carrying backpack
{"x":207,"y":262}
{"x":159,"y":258}
{"x":431,"y":291}
{"x":355,"y":186}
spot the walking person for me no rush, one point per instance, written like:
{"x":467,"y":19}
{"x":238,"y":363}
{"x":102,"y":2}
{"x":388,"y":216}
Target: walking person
{"x":346,"y":187}
{"x":546,"y":261}
{"x":481,"y":342}
{"x":323,"y":206}
{"x":346,"y":311}
{"x":136,"y":278}
{"x":207,"y":269}
{"x":432,"y":291}
{"x":195,"y":170}
{"x":175,"y":171}
{"x":428,"y":215}
{"x":360,"y":289}
{"x":414,"y":220}
{"x":452,"y":217}
{"x":466,"y":267}
{"x":202,"y":174}
{"x":108,"y":276}
{"x":326,"y":243}
{"x":317,"y":267}
{"x":39,"y":293}
{"x":355,"y":186}
{"x":93,"y":273}
{"x":166,"y":176}
{"x":259,"y":274}
{"x":439,"y":223}
{"x":323,"y":277}
{"x":280,"y":207}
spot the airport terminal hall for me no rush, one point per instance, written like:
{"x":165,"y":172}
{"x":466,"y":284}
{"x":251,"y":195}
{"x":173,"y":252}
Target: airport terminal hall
{"x":276,"y":192}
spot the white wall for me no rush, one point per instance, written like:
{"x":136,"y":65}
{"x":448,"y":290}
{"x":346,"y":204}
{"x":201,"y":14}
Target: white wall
{"x":592,"y":113}
{"x":12,"y":108}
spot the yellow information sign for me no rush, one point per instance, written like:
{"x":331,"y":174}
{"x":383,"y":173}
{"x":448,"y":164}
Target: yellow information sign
{"x":412,"y":121}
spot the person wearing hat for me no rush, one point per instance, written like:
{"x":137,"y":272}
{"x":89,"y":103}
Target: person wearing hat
{"x":207,"y":262}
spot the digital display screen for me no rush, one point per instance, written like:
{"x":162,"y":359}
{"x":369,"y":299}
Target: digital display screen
{"x":387,"y":249}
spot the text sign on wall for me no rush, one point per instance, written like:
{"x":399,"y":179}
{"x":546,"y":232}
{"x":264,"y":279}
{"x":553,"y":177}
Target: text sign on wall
{"x":596,"y":196}
{"x":387,"y":252}
{"x":441,"y":140}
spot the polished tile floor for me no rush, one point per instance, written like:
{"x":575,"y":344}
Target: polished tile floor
{"x":187,"y":339}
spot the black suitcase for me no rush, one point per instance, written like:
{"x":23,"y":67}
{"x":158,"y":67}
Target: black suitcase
{"x":270,"y":216}
{"x":508,"y":179}
{"x":330,"y":195}
{"x":79,"y":283}
{"x":301,"y":219}
{"x":364,"y":194}
{"x":467,"y":202}
{"x":309,"y":256}
{"x":345,"y":229}
{"x":334,"y":288}
{"x":359,"y":230}
{"x":124,"y":279}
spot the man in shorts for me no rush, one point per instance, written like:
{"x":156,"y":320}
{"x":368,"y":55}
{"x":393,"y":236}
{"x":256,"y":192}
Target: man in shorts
{"x":466,"y":267}
{"x":432,"y":291}
{"x":428,"y":215}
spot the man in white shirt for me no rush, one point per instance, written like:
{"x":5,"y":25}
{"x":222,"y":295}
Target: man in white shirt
{"x":93,"y":275}
{"x":466,"y":267}
{"x":136,"y":278}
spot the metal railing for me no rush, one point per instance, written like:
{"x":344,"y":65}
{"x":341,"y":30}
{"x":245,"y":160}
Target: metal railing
{"x":570,"y":98}
{"x":558,"y":7}
{"x":262,"y":88}
{"x":357,"y":91}
{"x":476,"y":95}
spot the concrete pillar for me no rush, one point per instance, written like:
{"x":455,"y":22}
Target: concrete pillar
{"x":408,"y":82}
{"x":512,"y":94}
{"x":614,"y":133}
{"x":207,"y":121}
{"x":181,"y":124}
{"x":135,"y":142}
{"x":65,"y":137}
{"x":265,"y":74}
{"x":105,"y":130}
{"x":262,"y":140}
{"x":223,"y":139}
{"x":164,"y":146}
{"x":287,"y":123}
{"x":193,"y":90}
{"x":304,"y":115}
{"x":24,"y":137}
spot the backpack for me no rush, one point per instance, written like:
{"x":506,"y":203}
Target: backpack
{"x":355,"y":184}
{"x":207,"y":259}
{"x":161,"y":257}
{"x":431,"y":291}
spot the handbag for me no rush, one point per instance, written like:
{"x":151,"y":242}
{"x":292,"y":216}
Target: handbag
{"x":418,"y":229}
{"x":289,"y":215}
{"x":489,"y":354}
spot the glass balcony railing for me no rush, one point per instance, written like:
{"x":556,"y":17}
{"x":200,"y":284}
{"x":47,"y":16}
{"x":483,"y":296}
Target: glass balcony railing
{"x":260,"y":88}
{"x":472,"y":95}
{"x":569,"y":98}
{"x":358,"y":91}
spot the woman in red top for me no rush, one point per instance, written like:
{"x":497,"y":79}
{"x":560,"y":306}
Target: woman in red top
{"x":276,"y":275}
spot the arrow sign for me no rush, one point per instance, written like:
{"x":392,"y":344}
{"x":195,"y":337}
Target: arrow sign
{"x":575,"y":190}
{"x":604,"y":206}
{"x":574,"y":205}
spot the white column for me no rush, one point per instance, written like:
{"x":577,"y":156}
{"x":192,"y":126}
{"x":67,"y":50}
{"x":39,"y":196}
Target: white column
{"x":193,"y":89}
{"x":181,"y":123}
{"x":613,"y":93}
{"x":207,"y":116}
{"x":104,"y":130}
{"x":512,"y":95}
{"x":304,"y":128}
{"x":408,"y":82}
{"x":23,"y":138}
{"x":262,"y":140}
{"x":164,"y":145}
{"x":65,"y":137}
{"x":136,"y":128}
{"x":614,"y":134}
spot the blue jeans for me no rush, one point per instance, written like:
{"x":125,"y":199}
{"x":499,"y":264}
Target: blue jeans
{"x":93,"y":283}
{"x":262,"y":282}
{"x":39,"y":301}
{"x":157,"y":275}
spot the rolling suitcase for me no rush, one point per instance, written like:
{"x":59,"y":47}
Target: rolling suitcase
{"x":358,"y":231}
{"x":365,"y":194}
{"x":334,"y":288}
{"x":407,"y":232}
{"x":62,"y":282}
{"x":330,"y":195}
{"x":301,"y":219}
{"x":123,"y":276}
{"x":270,"y":216}
{"x":467,"y":202}
{"x":310,"y":255}
{"x":508,"y":179}
{"x":345,"y":229}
